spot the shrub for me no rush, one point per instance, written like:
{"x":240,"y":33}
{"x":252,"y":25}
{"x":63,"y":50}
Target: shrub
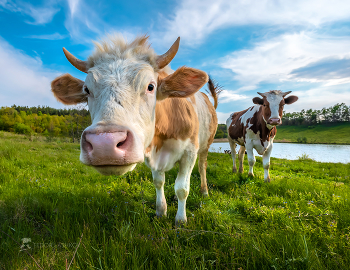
{"x":22,"y":129}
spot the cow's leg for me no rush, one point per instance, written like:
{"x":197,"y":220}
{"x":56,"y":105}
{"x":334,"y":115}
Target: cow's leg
{"x":158,"y":181}
{"x":241,"y":154}
{"x":266,"y":163}
{"x":233,"y":154}
{"x":182,"y":184}
{"x":202,"y":166}
{"x":251,"y":159}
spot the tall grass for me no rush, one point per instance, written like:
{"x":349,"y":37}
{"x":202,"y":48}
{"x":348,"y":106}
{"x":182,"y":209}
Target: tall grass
{"x":299,"y":221}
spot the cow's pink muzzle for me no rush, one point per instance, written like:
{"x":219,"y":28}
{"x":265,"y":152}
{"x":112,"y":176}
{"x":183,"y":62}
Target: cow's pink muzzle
{"x":274,"y":121}
{"x":110,"y":149}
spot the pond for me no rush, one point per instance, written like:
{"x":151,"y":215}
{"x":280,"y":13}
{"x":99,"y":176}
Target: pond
{"x":318,"y":152}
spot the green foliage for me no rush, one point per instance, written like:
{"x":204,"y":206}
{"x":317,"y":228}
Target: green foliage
{"x":24,"y":120}
{"x":298,"y":221}
{"x":221,"y":131}
{"x":335,"y":114}
{"x":302,"y":140}
{"x":22,"y":128}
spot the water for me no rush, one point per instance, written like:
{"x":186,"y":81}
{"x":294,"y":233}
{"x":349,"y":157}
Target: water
{"x":318,"y":152}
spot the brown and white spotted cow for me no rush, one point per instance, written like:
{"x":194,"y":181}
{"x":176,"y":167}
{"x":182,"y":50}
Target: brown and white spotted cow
{"x":141,"y":110}
{"x":255,"y":128}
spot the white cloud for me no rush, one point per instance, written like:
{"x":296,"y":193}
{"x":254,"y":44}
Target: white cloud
{"x":40,"y":15}
{"x":55,"y":36}
{"x":227,"y":96}
{"x":275,"y":59}
{"x":196,"y":19}
{"x":222,"y":117}
{"x":319,"y":97}
{"x":24,"y":80}
{"x":73,"y":4}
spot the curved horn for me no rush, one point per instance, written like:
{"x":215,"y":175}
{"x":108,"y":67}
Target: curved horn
{"x":165,"y":59}
{"x":79,"y":64}
{"x":286,"y":93}
{"x":261,"y":94}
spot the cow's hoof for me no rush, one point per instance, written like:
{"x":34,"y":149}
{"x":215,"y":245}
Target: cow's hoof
{"x":180,"y":223}
{"x":160,"y":215}
{"x":267,"y":180}
{"x":234,"y":170}
{"x":251,"y":174}
{"x":241,"y":170}
{"x":205,"y":194}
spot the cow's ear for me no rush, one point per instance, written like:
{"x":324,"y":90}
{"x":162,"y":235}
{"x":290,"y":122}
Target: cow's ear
{"x":182,"y":83}
{"x":68,"y":90}
{"x":258,"y":101}
{"x":291,"y":99}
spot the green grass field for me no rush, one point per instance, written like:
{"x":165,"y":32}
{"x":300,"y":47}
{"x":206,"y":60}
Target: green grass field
{"x":338,"y":133}
{"x":299,"y":221}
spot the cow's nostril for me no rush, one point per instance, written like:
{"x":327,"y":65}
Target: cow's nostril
{"x":121,"y":143}
{"x":88,"y":146}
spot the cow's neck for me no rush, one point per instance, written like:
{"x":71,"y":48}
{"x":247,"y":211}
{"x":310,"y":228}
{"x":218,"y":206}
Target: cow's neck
{"x":267,"y":131}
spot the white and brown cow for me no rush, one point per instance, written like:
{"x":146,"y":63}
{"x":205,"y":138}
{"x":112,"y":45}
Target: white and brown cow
{"x":141,"y":110}
{"x":255,"y":128}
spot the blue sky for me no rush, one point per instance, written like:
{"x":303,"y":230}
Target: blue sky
{"x":248,"y":46}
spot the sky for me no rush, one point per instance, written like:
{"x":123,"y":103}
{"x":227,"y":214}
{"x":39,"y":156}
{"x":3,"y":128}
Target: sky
{"x":247,"y":46}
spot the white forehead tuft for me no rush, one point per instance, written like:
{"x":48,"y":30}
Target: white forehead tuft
{"x":273,"y":98}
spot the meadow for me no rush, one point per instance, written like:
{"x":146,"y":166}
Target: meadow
{"x":78,"y":219}
{"x":331,"y":133}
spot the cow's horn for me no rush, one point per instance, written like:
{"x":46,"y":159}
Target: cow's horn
{"x":79,"y":64}
{"x":261,"y":94}
{"x":286,"y":93}
{"x":165,"y":59}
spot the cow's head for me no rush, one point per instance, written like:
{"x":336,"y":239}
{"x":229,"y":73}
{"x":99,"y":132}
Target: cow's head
{"x":123,"y":83}
{"x":272,"y":105}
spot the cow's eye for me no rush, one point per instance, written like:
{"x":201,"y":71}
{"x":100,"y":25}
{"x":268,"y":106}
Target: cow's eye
{"x":150,"y":87}
{"x":87,"y":90}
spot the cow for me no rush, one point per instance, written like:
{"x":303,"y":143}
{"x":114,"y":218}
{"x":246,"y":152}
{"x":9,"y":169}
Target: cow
{"x":255,"y":128}
{"x":142,"y":111}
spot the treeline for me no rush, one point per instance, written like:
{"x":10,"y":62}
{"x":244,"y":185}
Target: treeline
{"x":335,"y":114}
{"x":43,"y":120}
{"x":51,"y":111}
{"x":71,"y":122}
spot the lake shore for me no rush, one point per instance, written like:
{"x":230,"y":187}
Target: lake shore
{"x":221,"y":140}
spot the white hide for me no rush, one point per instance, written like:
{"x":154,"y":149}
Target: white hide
{"x":274,"y":101}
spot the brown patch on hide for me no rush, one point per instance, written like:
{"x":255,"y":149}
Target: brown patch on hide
{"x":236,"y":129}
{"x":265,"y":109}
{"x":175,"y":119}
{"x":213,"y":121}
{"x":68,"y":90}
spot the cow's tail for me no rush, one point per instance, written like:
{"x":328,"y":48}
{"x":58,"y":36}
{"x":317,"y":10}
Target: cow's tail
{"x":214,"y":91}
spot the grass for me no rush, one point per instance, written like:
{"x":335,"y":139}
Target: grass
{"x":299,"y":221}
{"x":337,"y":133}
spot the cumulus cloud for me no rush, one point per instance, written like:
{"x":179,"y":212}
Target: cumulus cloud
{"x":24,"y":79}
{"x":281,"y":59}
{"x":227,"y":96}
{"x":194,"y":20}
